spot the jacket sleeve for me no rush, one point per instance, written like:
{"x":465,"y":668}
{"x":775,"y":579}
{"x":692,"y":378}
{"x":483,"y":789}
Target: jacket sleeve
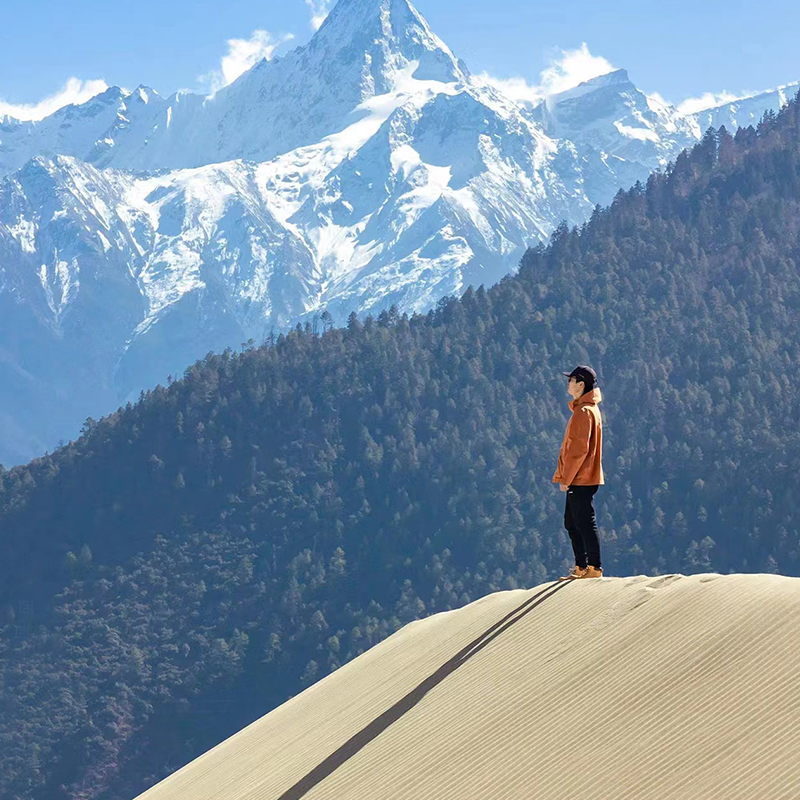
{"x":576,"y":447}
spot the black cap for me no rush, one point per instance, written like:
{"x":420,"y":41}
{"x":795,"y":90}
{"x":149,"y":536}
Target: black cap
{"x":583,"y":373}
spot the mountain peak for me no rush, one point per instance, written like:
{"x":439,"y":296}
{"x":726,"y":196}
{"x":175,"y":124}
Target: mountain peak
{"x":364,"y":49}
{"x":617,"y":79}
{"x":144,"y":93}
{"x":613,"y":77}
{"x":384,"y":36}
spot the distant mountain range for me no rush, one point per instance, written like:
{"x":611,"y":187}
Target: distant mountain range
{"x":364,"y":169}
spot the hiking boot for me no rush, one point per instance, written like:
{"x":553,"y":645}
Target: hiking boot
{"x":592,"y":572}
{"x":576,"y":572}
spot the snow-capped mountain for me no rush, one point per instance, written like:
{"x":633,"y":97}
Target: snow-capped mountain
{"x":743,"y":112}
{"x":361,"y":51}
{"x":619,"y":133}
{"x":610,"y":115}
{"x":366,"y":168}
{"x":88,"y":131}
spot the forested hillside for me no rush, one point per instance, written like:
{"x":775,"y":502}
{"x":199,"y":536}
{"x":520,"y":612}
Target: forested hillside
{"x":196,"y":558}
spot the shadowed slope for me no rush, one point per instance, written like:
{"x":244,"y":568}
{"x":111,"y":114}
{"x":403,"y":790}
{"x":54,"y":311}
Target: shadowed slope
{"x":675,"y":686}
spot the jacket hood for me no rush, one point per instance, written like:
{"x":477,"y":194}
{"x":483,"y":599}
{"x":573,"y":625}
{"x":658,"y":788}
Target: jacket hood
{"x":594,"y":396}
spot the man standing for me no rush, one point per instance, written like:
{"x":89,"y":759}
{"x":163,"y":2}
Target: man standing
{"x":580,"y":471}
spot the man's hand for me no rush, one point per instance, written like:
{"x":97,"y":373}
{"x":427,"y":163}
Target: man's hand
{"x":564,"y":487}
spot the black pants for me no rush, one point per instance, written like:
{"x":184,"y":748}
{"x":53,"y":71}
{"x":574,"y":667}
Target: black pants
{"x":580,"y":522}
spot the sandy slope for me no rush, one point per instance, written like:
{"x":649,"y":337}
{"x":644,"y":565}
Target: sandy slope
{"x":669,"y":687}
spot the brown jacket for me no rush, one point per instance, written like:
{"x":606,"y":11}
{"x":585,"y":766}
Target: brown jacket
{"x":579,"y":462}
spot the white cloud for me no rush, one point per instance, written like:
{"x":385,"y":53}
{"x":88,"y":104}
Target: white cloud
{"x":658,"y":99}
{"x":708,"y":100}
{"x":564,"y":72}
{"x":319,"y":11}
{"x":75,"y":91}
{"x":517,"y":89}
{"x":572,"y":68}
{"x":242,"y":54}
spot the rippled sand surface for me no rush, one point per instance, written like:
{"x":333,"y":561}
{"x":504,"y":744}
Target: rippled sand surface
{"x":669,"y":687}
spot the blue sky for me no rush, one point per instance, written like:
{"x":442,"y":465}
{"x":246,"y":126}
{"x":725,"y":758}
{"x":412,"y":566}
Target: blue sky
{"x":680,"y":50}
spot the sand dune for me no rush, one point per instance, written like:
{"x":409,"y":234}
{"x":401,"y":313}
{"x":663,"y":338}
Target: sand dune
{"x":669,"y":687}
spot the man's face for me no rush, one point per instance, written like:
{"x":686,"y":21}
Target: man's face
{"x":575,"y":388}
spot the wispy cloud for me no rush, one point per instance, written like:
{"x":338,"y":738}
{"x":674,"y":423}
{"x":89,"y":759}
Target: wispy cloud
{"x":242,"y":54}
{"x":517,"y":89}
{"x":708,"y":100}
{"x":319,"y":11}
{"x":75,"y":91}
{"x":573,"y":67}
{"x":565,"y":71}
{"x":658,"y":99}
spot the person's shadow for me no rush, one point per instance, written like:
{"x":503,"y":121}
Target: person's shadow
{"x":405,"y":704}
